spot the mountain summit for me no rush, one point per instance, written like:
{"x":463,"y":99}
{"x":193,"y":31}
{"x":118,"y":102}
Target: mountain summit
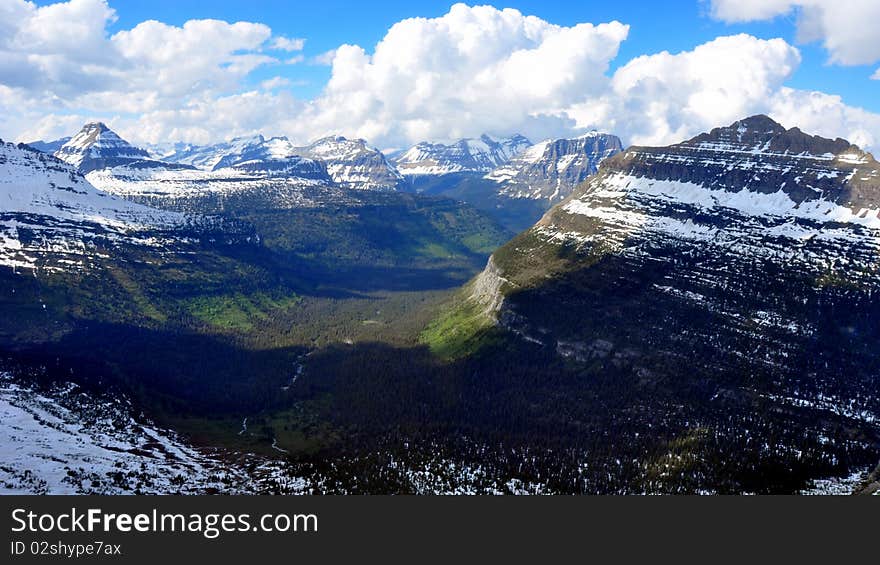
{"x":96,"y":147}
{"x":736,"y":246}
{"x":549,"y":171}
{"x":464,"y":156}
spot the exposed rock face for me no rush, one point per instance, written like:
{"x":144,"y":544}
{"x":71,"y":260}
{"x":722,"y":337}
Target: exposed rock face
{"x":733,"y":279}
{"x":96,"y":147}
{"x":336,"y":160}
{"x":550,"y":170}
{"x":750,"y":244}
{"x":464,"y":156}
{"x":488,"y":288}
{"x":53,"y":218}
{"x":758,"y":155}
{"x":352,"y":163}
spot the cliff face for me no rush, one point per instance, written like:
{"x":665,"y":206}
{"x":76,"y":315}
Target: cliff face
{"x":550,"y":170}
{"x":745,"y":244}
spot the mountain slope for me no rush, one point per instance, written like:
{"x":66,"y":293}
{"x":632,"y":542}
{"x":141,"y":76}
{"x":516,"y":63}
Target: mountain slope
{"x":549,"y":171}
{"x":354,"y":164}
{"x":464,"y":156}
{"x":732,"y":278}
{"x":49,"y":147}
{"x":525,"y":184}
{"x":50,"y":215}
{"x":752,"y":191}
{"x":96,"y":146}
{"x":348,"y":163}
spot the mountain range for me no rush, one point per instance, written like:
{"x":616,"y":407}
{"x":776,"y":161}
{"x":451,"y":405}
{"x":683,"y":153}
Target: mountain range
{"x":489,"y":173}
{"x":489,"y":315}
{"x":464,"y":156}
{"x":737,"y":270}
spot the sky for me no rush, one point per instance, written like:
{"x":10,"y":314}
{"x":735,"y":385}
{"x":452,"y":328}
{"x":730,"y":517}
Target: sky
{"x":396,"y":73}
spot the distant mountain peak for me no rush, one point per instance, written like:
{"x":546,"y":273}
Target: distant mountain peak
{"x":467,"y":155}
{"x":762,"y":134}
{"x":551,"y":169}
{"x":96,"y":146}
{"x":354,"y":163}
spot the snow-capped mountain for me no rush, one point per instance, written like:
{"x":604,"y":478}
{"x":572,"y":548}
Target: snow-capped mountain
{"x":96,"y":147}
{"x":464,"y":156}
{"x":49,"y":147}
{"x":729,"y":282}
{"x":227,"y":153}
{"x":752,"y":197}
{"x":749,"y":244}
{"x":50,"y":214}
{"x":296,"y":182}
{"x":349,"y":163}
{"x":551,"y":169}
{"x":165,"y":150}
{"x":353,"y":163}
{"x":198,"y":179}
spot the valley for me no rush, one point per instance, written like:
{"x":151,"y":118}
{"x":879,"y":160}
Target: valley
{"x":487,"y":316}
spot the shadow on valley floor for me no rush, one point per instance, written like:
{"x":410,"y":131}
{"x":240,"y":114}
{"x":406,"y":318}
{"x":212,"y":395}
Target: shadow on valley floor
{"x":514,"y":408}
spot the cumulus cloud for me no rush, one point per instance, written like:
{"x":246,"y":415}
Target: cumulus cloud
{"x":473,"y":69}
{"x":482,"y":69}
{"x":60,"y":57}
{"x":846,"y":28}
{"x":207,"y":118}
{"x":663,"y":98}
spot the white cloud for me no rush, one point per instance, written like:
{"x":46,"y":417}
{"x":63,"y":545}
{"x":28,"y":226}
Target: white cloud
{"x":749,"y":10}
{"x":275,"y":82}
{"x":826,"y":115}
{"x":325,"y":58}
{"x":208,"y":119}
{"x":663,"y":98}
{"x":60,"y":57}
{"x":474,"y":69}
{"x":846,"y":28}
{"x":287,"y":44}
{"x":200,"y":55}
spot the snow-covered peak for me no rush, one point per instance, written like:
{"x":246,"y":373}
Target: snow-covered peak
{"x":353,"y":163}
{"x":549,"y":170}
{"x":757,"y":155}
{"x":48,"y":208}
{"x":219,"y":155}
{"x":97,"y":146}
{"x":338,"y":147}
{"x":350,"y":163}
{"x":761,"y":135}
{"x":465,"y":155}
{"x":254,"y":149}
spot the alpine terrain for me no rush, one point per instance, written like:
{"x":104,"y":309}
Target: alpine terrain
{"x":264,"y":316}
{"x":511,"y":179}
{"x":731,"y":280}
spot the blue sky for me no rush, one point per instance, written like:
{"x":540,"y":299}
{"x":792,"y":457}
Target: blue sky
{"x":677,"y":26}
{"x":101,"y":59}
